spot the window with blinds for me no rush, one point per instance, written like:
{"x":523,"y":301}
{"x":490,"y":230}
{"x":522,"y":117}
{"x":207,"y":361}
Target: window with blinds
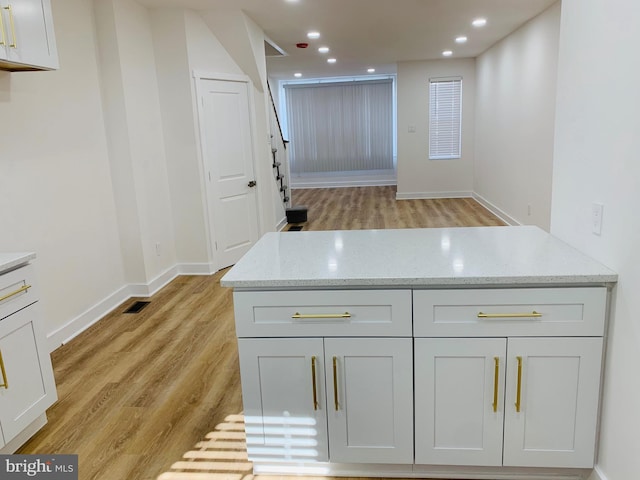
{"x":445,"y":118}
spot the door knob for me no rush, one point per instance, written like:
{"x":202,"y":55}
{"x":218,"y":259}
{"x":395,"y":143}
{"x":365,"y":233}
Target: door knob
{"x":252,"y":183}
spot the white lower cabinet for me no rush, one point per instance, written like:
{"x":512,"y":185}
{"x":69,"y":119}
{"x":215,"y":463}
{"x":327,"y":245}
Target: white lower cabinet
{"x":558,"y":390}
{"x":456,"y":383}
{"x":344,"y":400}
{"x":539,"y":411}
{"x":27,"y":386}
{"x":459,"y":413}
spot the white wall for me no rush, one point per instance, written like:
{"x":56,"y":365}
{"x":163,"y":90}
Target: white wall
{"x":419,"y":177}
{"x":182,"y":43}
{"x":55,"y":181}
{"x":136,"y":143}
{"x":596,"y":160}
{"x":515,"y":108}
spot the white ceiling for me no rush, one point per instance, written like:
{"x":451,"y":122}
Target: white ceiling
{"x":372,"y":33}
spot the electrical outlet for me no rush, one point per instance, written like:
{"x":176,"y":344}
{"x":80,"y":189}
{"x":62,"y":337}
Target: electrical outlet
{"x":596,"y":218}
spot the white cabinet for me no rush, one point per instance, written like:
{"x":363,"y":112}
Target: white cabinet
{"x":27,"y":40}
{"x":283,"y":393}
{"x":546,"y":394}
{"x":385,"y":382}
{"x":551,"y":406}
{"x":370,"y":399}
{"x":27,"y":386}
{"x":459,"y":391}
{"x":339,"y":399}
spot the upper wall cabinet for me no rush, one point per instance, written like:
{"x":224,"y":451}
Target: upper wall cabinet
{"x":27,"y":41}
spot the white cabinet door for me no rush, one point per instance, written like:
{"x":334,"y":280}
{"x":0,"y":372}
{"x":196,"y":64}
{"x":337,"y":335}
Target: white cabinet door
{"x":26,"y":33}
{"x":558,"y":389}
{"x":459,"y":387}
{"x":284,"y":399}
{"x":369,"y":399}
{"x":27,"y":387}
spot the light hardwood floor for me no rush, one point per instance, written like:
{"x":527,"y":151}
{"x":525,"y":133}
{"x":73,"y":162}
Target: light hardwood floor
{"x":137,"y":391}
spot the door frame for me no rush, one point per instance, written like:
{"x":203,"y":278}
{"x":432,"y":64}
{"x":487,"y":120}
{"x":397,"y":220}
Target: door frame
{"x":207,"y":188}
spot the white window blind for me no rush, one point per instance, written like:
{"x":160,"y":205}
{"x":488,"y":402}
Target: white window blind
{"x":445,"y":118}
{"x":340,"y":126}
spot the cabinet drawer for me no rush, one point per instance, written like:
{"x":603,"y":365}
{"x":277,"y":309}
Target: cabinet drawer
{"x":17,"y":290}
{"x":342,"y":313}
{"x":510,"y":312}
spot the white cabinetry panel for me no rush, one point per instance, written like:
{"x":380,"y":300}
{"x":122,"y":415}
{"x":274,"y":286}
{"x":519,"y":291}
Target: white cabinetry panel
{"x":342,"y":313}
{"x":560,"y":381}
{"x":459,"y":408}
{"x":370,"y":396}
{"x":28,"y":386}
{"x":284,"y":401}
{"x":27,"y":39}
{"x":510,"y":312}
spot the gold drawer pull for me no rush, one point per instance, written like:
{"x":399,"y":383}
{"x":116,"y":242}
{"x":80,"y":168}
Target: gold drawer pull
{"x":495,"y":383}
{"x":313,"y":379}
{"x":519,"y":385}
{"x":509,"y":315}
{"x":13,"y":27}
{"x":321,"y":315}
{"x":3,"y":40}
{"x":20,"y":290}
{"x":5,"y":382}
{"x":335,"y":383}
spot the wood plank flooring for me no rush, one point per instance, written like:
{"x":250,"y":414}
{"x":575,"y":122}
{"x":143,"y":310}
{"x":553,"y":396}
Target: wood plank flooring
{"x":374,"y":208}
{"x":137,"y":391}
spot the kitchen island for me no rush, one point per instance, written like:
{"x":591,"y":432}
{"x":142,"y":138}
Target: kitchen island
{"x":442,"y":353}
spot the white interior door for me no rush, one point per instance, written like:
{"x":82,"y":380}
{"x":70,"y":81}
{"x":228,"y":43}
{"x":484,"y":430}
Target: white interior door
{"x":229,"y":168}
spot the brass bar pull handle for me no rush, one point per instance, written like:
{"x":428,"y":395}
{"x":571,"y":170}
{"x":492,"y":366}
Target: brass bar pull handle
{"x":20,"y":290}
{"x":509,"y":315}
{"x":321,"y":315}
{"x":313,"y":379}
{"x":13,"y":27}
{"x":335,"y":383}
{"x":496,"y":377}
{"x":5,"y":382}
{"x":519,"y":386}
{"x":3,"y":38}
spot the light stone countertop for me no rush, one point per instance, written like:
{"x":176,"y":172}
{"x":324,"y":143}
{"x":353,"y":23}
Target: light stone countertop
{"x":10,"y":260}
{"x":430,"y":257}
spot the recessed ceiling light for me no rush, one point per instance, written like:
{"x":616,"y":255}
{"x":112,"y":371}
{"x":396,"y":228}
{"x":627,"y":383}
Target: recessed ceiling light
{"x":331,"y":60}
{"x":297,"y":75}
{"x":313,"y":35}
{"x":371,"y":70}
{"x":461,"y":39}
{"x":323,"y":49}
{"x":447,"y":53}
{"x":479,"y":22}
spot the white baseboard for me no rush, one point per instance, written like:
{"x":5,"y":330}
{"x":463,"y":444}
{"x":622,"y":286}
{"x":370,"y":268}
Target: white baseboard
{"x":196,"y":269}
{"x":501,"y":214}
{"x":79,"y":324}
{"x":432,"y":195}
{"x":87,"y":318}
{"x":281,"y":224}
{"x":364,"y":178}
{"x":597,"y":474}
{"x":148,"y":289}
